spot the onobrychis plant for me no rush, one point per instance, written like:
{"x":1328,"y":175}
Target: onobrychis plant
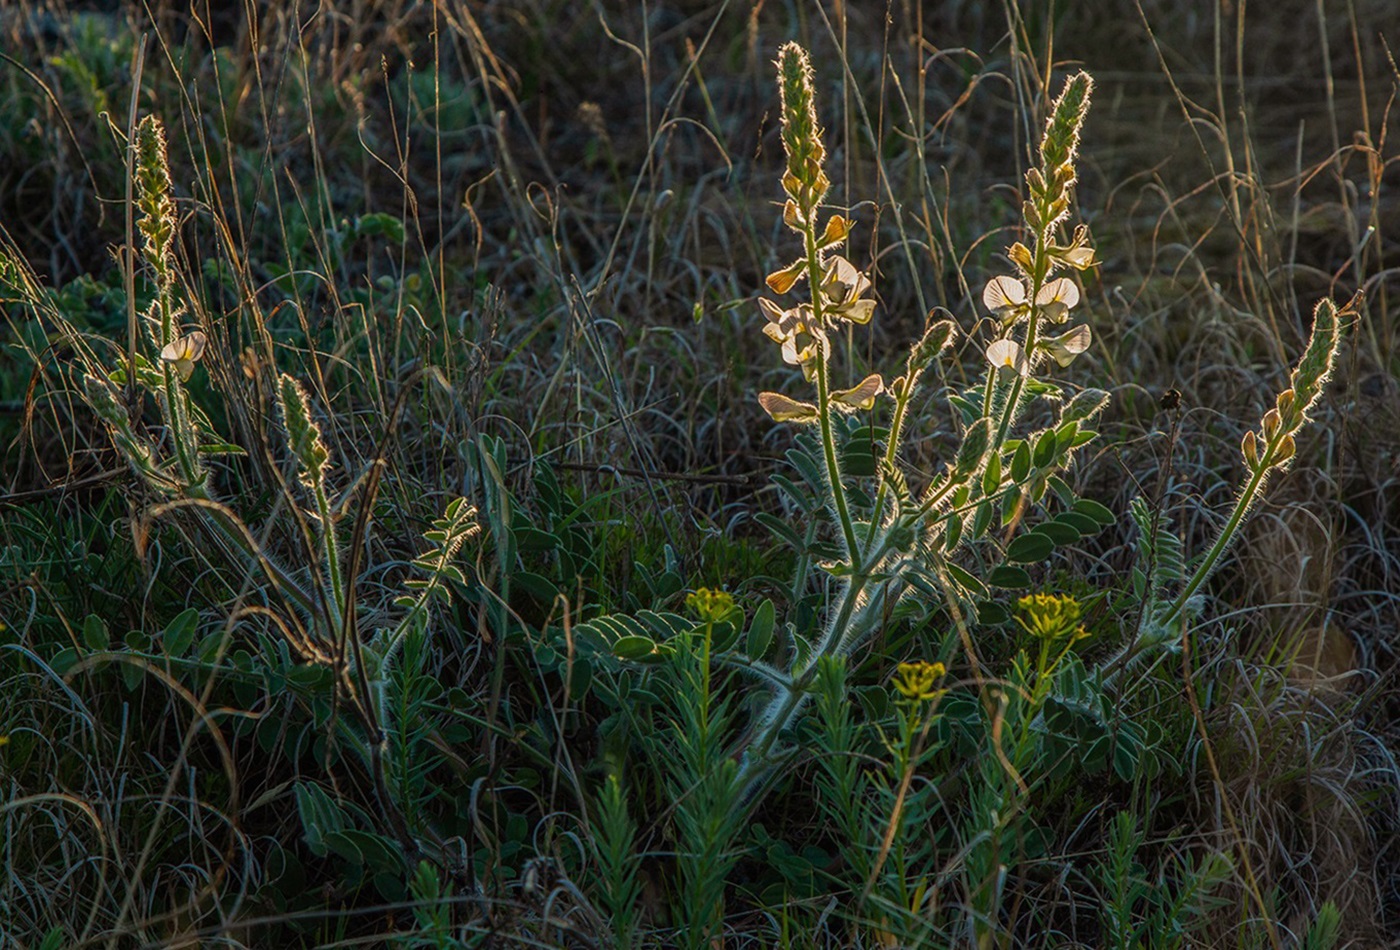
{"x":898,"y":538}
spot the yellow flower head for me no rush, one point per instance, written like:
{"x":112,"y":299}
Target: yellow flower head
{"x":1051,"y":617}
{"x":918,"y":681}
{"x":711,"y":606}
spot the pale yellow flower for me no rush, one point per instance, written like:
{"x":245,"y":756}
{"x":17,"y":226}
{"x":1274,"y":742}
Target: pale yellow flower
{"x":1005,"y":297}
{"x":842,"y":287}
{"x":1057,"y":298}
{"x":1067,"y":346}
{"x":1008,"y":357}
{"x":184,"y":353}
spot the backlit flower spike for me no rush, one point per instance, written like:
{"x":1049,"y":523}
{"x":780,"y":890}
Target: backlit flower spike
{"x":1067,"y":346}
{"x":1057,"y":298}
{"x":1005,"y":297}
{"x":1008,"y":358}
{"x":184,"y":353}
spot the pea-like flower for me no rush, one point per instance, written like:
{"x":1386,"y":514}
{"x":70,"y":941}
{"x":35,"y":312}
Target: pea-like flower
{"x":842,"y":288}
{"x":791,"y":329}
{"x":1057,"y":298}
{"x":1006,"y":298}
{"x":184,"y":353}
{"x":1065,"y":347}
{"x":1008,"y":357}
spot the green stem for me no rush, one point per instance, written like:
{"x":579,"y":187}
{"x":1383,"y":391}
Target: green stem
{"x":1038,"y":273}
{"x":1242,"y":506}
{"x":833,"y":468}
{"x":901,"y":405}
{"x":332,"y":553}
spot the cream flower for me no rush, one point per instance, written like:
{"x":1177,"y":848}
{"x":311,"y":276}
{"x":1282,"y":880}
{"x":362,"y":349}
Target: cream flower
{"x":1005,"y":297}
{"x":1067,"y":346}
{"x":184,"y":353}
{"x":842,"y":287}
{"x":1008,"y":357}
{"x":1057,"y":298}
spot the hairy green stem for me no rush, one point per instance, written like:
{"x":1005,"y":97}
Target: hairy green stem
{"x":833,"y":468}
{"x":1222,"y":541}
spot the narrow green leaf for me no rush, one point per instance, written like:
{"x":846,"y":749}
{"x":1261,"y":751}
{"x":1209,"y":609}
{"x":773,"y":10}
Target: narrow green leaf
{"x":1021,"y":463}
{"x":983,"y":519}
{"x":954,"y":533}
{"x":968,"y":582}
{"x":991,"y":475}
{"x":760,"y":635}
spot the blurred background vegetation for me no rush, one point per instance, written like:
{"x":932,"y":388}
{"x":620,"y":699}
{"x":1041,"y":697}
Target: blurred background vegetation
{"x":535,"y":230}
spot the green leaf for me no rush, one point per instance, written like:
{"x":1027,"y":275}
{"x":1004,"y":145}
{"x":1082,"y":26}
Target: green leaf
{"x":1021,"y":463}
{"x":1029,"y":548}
{"x":1098,"y":512}
{"x":633,"y":648}
{"x":540,"y":588}
{"x":533,"y":539}
{"x":1058,"y":531}
{"x":1009,"y":577}
{"x":760,"y":636}
{"x":64,"y":660}
{"x":1079,"y":522}
{"x":983,"y":519}
{"x":132,"y":672}
{"x":954,"y":534}
{"x":992,"y":614}
{"x":968,"y":582}
{"x":858,"y":461}
{"x":991,"y":475}
{"x":1045,"y":447}
{"x":95,"y":635}
{"x":179,"y":633}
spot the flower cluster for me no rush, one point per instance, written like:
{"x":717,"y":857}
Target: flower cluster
{"x":1051,"y":618}
{"x":918,"y":681}
{"x":711,"y":606}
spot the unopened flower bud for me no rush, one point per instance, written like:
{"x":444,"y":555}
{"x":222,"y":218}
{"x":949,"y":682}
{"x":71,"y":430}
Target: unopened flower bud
{"x":1250,"y":447}
{"x":1271,"y":423}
